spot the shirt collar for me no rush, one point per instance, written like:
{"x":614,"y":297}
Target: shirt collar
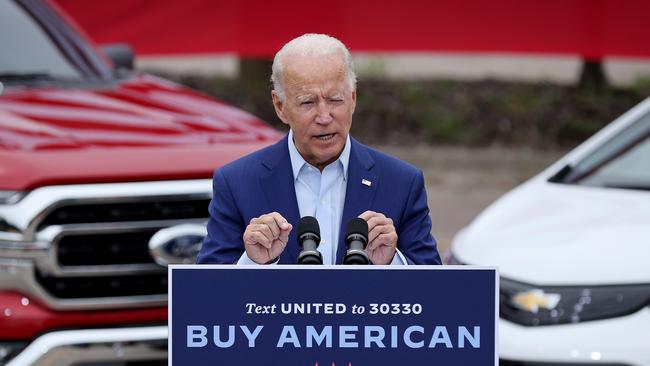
{"x":297,"y":161}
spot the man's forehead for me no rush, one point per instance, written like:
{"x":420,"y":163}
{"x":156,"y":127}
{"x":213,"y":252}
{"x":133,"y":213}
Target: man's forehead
{"x":308,"y":68}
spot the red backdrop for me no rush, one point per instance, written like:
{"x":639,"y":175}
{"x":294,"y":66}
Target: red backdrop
{"x":590,"y":28}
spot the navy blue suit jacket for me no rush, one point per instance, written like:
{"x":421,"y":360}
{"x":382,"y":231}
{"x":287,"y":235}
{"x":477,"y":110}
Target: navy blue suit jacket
{"x":262,"y":182}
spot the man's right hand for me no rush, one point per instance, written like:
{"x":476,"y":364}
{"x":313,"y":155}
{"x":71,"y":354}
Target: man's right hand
{"x":266,"y":237}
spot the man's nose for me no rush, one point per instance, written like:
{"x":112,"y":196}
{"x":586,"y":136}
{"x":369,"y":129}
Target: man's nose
{"x":324,"y":113}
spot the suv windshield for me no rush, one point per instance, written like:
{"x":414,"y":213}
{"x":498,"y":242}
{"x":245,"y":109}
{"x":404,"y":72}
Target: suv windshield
{"x":622,"y":162}
{"x":42,"y":47}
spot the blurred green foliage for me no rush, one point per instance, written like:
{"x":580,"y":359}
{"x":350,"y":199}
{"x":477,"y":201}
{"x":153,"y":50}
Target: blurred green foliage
{"x":537,"y":115}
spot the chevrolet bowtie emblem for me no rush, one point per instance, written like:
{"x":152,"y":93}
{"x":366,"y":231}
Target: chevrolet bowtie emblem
{"x":366,"y":182}
{"x":532,"y":300}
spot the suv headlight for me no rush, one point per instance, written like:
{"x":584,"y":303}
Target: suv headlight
{"x":549,"y":305}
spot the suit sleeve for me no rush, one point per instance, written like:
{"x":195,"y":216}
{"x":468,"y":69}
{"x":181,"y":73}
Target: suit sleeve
{"x":223,"y":244}
{"x":414,"y":234}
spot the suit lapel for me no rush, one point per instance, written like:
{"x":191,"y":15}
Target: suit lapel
{"x":358,"y":196}
{"x":280,"y":192}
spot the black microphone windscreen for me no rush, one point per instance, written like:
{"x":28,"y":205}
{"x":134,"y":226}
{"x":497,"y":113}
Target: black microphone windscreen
{"x":357,"y":226}
{"x":308,"y":224}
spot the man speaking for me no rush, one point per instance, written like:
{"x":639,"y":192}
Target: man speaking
{"x":317,"y":170}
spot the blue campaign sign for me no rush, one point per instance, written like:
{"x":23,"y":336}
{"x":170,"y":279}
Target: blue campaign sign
{"x":332,"y":315}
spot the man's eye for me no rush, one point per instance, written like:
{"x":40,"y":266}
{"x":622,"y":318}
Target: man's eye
{"x":307,"y":102}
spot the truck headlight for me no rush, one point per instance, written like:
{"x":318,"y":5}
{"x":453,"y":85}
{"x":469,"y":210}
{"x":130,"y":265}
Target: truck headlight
{"x":9,"y":197}
{"x":12,"y":238}
{"x":9,"y":350}
{"x":549,"y":305}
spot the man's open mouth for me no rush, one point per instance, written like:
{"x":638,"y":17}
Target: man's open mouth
{"x":325,"y":137}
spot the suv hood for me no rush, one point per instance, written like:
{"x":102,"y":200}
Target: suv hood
{"x":142,"y":128}
{"x":556,"y":234}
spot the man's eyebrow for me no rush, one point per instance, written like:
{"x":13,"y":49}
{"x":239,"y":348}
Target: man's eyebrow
{"x":304,"y":98}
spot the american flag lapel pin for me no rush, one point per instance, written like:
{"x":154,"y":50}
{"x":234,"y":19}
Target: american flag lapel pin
{"x":366,"y":182}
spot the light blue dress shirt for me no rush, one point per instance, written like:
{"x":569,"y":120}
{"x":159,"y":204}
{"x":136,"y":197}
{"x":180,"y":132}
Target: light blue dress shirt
{"x":322,"y":195}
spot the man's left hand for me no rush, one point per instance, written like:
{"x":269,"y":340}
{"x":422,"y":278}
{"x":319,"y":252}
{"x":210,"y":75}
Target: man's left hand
{"x":382,"y":237}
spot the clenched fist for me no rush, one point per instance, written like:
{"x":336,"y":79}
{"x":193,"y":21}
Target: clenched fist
{"x":382,"y":237}
{"x":266,"y":237}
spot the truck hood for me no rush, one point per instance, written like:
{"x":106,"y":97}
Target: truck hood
{"x":142,"y":128}
{"x":556,"y":234}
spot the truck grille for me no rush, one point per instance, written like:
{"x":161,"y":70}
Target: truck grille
{"x":105,"y":249}
{"x":156,"y":209}
{"x":100,"y":248}
{"x":103,"y":286}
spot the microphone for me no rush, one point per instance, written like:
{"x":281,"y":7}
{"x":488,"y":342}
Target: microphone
{"x":308,"y":240}
{"x":356,"y":239}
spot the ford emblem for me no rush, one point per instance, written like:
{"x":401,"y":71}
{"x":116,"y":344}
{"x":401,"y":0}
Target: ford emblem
{"x":179,"y":244}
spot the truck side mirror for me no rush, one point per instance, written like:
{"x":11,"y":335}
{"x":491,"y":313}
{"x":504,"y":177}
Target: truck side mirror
{"x":121,"y":54}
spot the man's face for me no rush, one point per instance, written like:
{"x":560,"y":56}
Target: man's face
{"x":318,"y":106}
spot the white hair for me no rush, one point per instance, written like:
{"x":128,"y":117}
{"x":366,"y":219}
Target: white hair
{"x":310,"y":44}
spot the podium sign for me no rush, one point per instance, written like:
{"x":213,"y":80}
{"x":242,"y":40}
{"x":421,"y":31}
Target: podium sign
{"x":332,"y":315}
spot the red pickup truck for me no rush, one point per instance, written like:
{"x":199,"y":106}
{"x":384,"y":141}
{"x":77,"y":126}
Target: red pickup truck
{"x":105,"y":177}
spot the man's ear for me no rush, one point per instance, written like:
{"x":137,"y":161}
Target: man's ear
{"x":279,"y":107}
{"x":354,"y":99}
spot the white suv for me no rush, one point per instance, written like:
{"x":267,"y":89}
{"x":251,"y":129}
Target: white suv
{"x":573,"y":249}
